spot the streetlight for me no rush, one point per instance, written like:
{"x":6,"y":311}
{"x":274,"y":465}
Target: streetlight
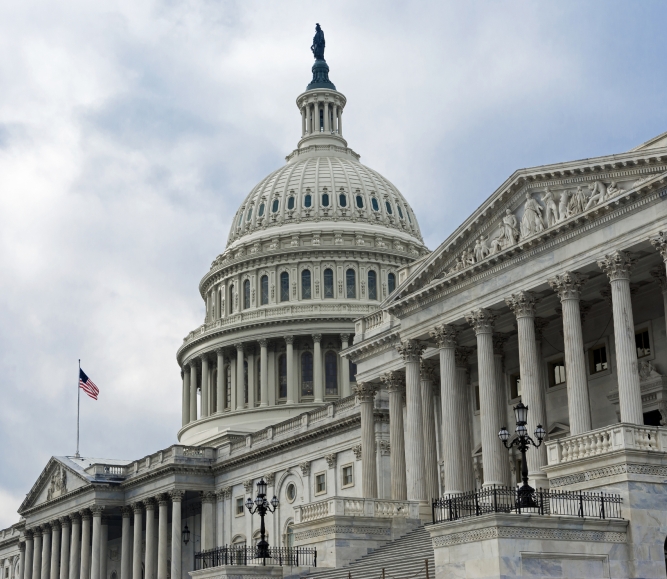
{"x":261,"y":505}
{"x":523,"y":441}
{"x":186,"y":534}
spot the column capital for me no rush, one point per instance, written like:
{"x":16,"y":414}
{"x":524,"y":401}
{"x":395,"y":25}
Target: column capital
{"x":96,"y":510}
{"x":270,"y":478}
{"x":305,"y":468}
{"x":481,"y":320}
{"x":64,"y":522}
{"x":220,"y":352}
{"x":36,"y":532}
{"x":225,"y":493}
{"x":207,"y":496}
{"x":445,"y":336}
{"x":345,"y":337}
{"x":522,"y":304}
{"x":193,"y":363}
{"x":137,"y":508}
{"x":263,"y":342}
{"x":659,"y":276}
{"x":410,"y":350}
{"x":461,"y":356}
{"x":365,"y":391}
{"x":660,"y":243}
{"x":499,"y":340}
{"x":162,"y":499}
{"x":239,"y":347}
{"x":204,"y":357}
{"x":567,"y":285}
{"x":85,"y":515}
{"x":247,"y":485}
{"x":22,"y":546}
{"x":126,"y":512}
{"x":46,"y":528}
{"x":317,"y":337}
{"x":393,"y":381}
{"x":289,"y":339}
{"x":55,"y":525}
{"x":617,"y":265}
{"x":332,"y":459}
{"x":75,"y":518}
{"x":28,"y":534}
{"x":149,"y":504}
{"x":176,"y":495}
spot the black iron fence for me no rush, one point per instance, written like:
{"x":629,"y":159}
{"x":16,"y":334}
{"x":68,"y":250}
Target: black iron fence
{"x":244,"y":555}
{"x":498,"y":499}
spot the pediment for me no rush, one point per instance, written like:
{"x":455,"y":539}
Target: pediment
{"x":531,"y":205}
{"x":56,"y":480}
{"x":658,"y":142}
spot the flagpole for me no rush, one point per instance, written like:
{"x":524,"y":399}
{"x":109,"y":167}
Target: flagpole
{"x":78,"y":409}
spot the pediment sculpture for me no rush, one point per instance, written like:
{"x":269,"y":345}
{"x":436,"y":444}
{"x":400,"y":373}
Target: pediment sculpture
{"x":57,"y":484}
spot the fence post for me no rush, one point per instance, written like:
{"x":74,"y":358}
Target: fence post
{"x":495,"y":508}
{"x":581,"y":504}
{"x":602,"y":505}
{"x":315,"y":563}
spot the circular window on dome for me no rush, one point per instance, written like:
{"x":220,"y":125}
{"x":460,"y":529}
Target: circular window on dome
{"x":290,"y":492}
{"x":275,"y":205}
{"x":360,"y":201}
{"x":307,"y":200}
{"x":342,"y":199}
{"x":375,"y":204}
{"x":388,"y":206}
{"x":290,"y":202}
{"x":400,"y":213}
{"x":325,"y":200}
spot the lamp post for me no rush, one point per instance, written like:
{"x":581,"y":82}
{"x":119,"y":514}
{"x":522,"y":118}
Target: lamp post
{"x":261,"y":505}
{"x":523,"y":441}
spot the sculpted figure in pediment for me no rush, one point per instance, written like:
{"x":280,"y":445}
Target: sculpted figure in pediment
{"x":481,"y":248}
{"x":510,"y":229}
{"x":598,"y":194}
{"x":577,"y":202}
{"x":552,"y":211}
{"x":531,"y":222}
{"x":562,"y":206}
{"x":613,"y":190}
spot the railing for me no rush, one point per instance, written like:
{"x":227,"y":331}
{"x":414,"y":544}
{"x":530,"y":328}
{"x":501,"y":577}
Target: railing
{"x":244,"y":555}
{"x":605,"y":440}
{"x":349,"y":507}
{"x":498,"y":499}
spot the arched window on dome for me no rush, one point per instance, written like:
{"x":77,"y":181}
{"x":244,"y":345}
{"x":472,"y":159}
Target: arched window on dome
{"x":372,"y":285}
{"x":400,"y":211}
{"x":228,"y":384}
{"x":240,"y":220}
{"x":342,"y":200}
{"x":246,"y":294}
{"x":245,"y":381}
{"x":249,"y":215}
{"x":330,"y":373}
{"x":325,"y":200}
{"x":305,"y":285}
{"x":328,"y":283}
{"x":390,"y":211}
{"x":282,"y":376}
{"x":360,"y":201}
{"x":284,"y":287}
{"x":391,"y":282}
{"x":308,"y":201}
{"x":351,"y":283}
{"x":307,"y":374}
{"x":407,"y":212}
{"x":290,"y":202}
{"x":260,"y":213}
{"x":275,"y":206}
{"x":264,"y":289}
{"x":231,"y":299}
{"x":374,"y":204}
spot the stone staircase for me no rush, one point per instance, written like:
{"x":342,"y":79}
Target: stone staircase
{"x":401,"y":559}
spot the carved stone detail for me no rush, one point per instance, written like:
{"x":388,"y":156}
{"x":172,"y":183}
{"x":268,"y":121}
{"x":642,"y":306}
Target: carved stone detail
{"x":207,"y":496}
{"x":462,"y":355}
{"x":499,"y":340}
{"x":522,"y":304}
{"x":58,"y":483}
{"x":445,"y":336}
{"x":567,"y":285}
{"x":658,"y":274}
{"x":410,"y":350}
{"x":660,"y":243}
{"x":305,"y":468}
{"x":617,"y":265}
{"x":247,"y":485}
{"x":176,"y":495}
{"x":481,"y":320}
{"x":225,"y":493}
{"x":385,"y":447}
{"x":331,"y":459}
{"x":356,"y":449}
{"x":365,"y":391}
{"x":393,"y":381}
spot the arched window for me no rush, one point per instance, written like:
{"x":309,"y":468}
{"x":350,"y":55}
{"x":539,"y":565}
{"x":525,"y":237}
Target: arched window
{"x":388,"y":206}
{"x":400,"y":211}
{"x":289,"y":536}
{"x":246,"y":294}
{"x":351,"y":283}
{"x":325,"y":200}
{"x":372,"y":285}
{"x":360,"y":202}
{"x":307,"y":200}
{"x":260,"y":213}
{"x":353,"y":371}
{"x":305,"y":284}
{"x":249,"y":215}
{"x":264,"y":287}
{"x":374,"y":204}
{"x":331,"y":373}
{"x":328,"y":283}
{"x":342,"y":200}
{"x":240,"y":219}
{"x":282,"y":376}
{"x":275,"y":205}
{"x":228,"y":394}
{"x":231,"y":299}
{"x":290,"y":202}
{"x":284,"y":287}
{"x":407,"y":212}
{"x":391,"y":282}
{"x":307,"y":374}
{"x":258,"y":387}
{"x":245,"y":381}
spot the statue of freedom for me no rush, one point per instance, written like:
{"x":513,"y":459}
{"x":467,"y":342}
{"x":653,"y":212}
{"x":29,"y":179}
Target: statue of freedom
{"x":318,"y":43}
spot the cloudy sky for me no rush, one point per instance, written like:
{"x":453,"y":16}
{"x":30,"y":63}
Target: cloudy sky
{"x":130,"y":131}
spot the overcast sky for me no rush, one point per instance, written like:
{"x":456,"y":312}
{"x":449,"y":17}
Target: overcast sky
{"x":130,"y":132}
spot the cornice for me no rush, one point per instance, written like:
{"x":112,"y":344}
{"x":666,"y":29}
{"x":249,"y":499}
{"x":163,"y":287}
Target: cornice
{"x":375,"y":345}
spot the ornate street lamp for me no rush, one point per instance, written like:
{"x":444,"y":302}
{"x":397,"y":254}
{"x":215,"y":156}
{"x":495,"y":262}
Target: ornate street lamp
{"x":261,"y":505}
{"x":186,"y":534}
{"x":523,"y":441}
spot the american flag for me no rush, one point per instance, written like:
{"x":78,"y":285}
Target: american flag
{"x":87,"y":385}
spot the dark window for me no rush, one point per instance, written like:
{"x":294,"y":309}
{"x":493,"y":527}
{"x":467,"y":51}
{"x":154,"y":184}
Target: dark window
{"x":290,"y":202}
{"x":360,"y":202}
{"x":228,"y":396}
{"x":275,"y":205}
{"x":305,"y":284}
{"x":328,"y":283}
{"x":347,"y":476}
{"x":477,"y":406}
{"x":331,"y":373}
{"x":249,"y":217}
{"x":245,"y":381}
{"x":556,"y":372}
{"x":342,"y":199}
{"x":374,"y":204}
{"x":321,"y":120}
{"x":388,"y":206}
{"x":391,"y":282}
{"x":320,"y":483}
{"x":353,"y":371}
{"x":258,"y":382}
{"x":261,"y":210}
{"x":407,"y":212}
{"x":306,"y":374}
{"x":284,"y":287}
{"x":307,"y":201}
{"x":400,"y":212}
{"x":597,"y":358}
{"x":246,"y":294}
{"x":351,"y":283}
{"x":240,"y":219}
{"x":231,"y":298}
{"x":282,"y":376}
{"x":515,"y":386}
{"x":325,"y":200}
{"x":264,"y":283}
{"x":372,"y":285}
{"x":653,"y":418}
{"x":642,"y":341}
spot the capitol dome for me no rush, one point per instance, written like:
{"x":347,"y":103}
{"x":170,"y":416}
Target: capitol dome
{"x":316,"y":245}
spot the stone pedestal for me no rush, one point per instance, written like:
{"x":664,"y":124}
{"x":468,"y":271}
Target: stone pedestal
{"x":239,"y":572}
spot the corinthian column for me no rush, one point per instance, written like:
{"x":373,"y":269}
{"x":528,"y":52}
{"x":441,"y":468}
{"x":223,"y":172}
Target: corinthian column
{"x":291,"y":382}
{"x":21,"y":561}
{"x":85,"y":543}
{"x":46,"y":551}
{"x":240,"y":378}
{"x":660,"y":243}
{"x":318,"y":386}
{"x":193,"y":390}
{"x":151,"y":539}
{"x":464,"y":414}
{"x":498,"y":362}
{"x":366,"y":394}
{"x":137,"y":539}
{"x":204,"y":386}
{"x":162,"y":537}
{"x":617,"y":266}
{"x":345,"y":367}
{"x":55,"y":550}
{"x":75,"y":550}
{"x":493,"y":452}
{"x":220,"y":380}
{"x":264,"y":372}
{"x":522,"y":305}
{"x":185,"y":415}
{"x":568,"y":286}
{"x":37,"y":553}
{"x":428,"y":428}
{"x":125,"y":545}
{"x":26,"y":570}
{"x":445,"y":337}
{"x":395,"y":385}
{"x":411,"y":351}
{"x":64,"y":547}
{"x":176,"y":501}
{"x":97,"y":537}
{"x":207,"y":501}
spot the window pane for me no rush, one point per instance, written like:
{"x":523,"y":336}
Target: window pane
{"x":372,"y":285}
{"x":284,"y":287}
{"x":325,"y":200}
{"x":307,"y":201}
{"x":331,"y":373}
{"x":246,"y":294}
{"x":305,"y":284}
{"x":342,"y":199}
{"x":229,"y":388}
{"x":643,"y":346}
{"x":231,"y":298}
{"x":351,"y":283}
{"x":328,"y":283}
{"x":598,"y":360}
{"x":261,"y":210}
{"x":374,"y":204}
{"x":245,"y":381}
{"x":400,"y":212}
{"x":258,"y":382}
{"x":265,"y":289}
{"x":275,"y":205}
{"x":282,"y":376}
{"x":290,"y":202}
{"x":307,"y":374}
{"x":388,"y":206}
{"x":360,"y":202}
{"x":249,"y":217}
{"x":391,"y":282}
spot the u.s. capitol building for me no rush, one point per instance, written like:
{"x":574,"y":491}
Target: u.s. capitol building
{"x":362,"y":377}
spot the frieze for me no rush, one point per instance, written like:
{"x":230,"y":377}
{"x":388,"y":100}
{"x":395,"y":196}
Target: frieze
{"x":642,"y":469}
{"x":339,"y":529}
{"x":529,"y":533}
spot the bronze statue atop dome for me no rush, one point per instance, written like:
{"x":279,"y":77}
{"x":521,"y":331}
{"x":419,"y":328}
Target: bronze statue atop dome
{"x":318,"y":43}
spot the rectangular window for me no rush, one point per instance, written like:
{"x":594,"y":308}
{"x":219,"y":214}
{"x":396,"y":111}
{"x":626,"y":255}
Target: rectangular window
{"x":597,"y":358}
{"x":515,"y":386}
{"x":643,"y":345}
{"x":239,"y":506}
{"x":556,"y":373}
{"x":477,"y":406}
{"x":348,"y":475}
{"x":320,"y":483}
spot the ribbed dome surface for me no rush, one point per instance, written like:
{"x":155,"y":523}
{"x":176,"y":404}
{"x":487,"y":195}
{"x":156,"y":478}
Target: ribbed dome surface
{"x":317,"y":186}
